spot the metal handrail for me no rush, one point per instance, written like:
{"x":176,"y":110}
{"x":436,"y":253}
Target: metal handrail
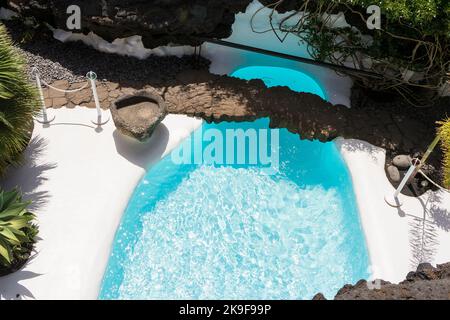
{"x":291,"y":57}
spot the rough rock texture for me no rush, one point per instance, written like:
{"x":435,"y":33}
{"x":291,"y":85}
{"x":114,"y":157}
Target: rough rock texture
{"x":393,"y":173}
{"x":137,"y":115}
{"x":426,"y":283}
{"x":72,"y":60}
{"x":159,"y":22}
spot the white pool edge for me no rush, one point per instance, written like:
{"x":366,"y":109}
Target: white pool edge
{"x":388,"y":231}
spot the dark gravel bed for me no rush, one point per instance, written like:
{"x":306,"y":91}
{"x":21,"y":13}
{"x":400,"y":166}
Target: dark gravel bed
{"x":71,"y":61}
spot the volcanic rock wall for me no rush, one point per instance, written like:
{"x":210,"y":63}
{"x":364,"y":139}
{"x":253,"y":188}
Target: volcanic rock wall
{"x":159,"y":22}
{"x":426,"y":283}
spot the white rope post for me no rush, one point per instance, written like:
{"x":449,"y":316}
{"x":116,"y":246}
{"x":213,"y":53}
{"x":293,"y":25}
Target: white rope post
{"x":394,"y":200}
{"x":43,"y":117}
{"x":101,"y":120}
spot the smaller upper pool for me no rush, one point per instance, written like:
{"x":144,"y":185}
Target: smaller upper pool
{"x":278,"y":76}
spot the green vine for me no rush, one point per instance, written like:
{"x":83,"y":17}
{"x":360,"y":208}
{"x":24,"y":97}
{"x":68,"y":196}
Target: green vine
{"x":411,"y":50}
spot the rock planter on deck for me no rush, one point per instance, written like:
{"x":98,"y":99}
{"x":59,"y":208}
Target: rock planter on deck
{"x":138,"y":114}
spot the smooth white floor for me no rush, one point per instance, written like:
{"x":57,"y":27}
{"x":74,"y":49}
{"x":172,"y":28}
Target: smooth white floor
{"x":80,"y":179}
{"x":398,"y":239}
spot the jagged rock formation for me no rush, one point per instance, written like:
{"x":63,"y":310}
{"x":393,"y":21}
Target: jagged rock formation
{"x":159,"y":22}
{"x":222,"y":98}
{"x":426,"y":283}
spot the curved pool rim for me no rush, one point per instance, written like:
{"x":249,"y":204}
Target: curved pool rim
{"x":283,"y":76}
{"x":124,"y":219}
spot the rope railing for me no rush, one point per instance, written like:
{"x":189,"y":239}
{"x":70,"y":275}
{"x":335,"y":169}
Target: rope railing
{"x":432,"y":182}
{"x":91,"y":76}
{"x":65,"y":91}
{"x":394,"y":200}
{"x":416,"y":165}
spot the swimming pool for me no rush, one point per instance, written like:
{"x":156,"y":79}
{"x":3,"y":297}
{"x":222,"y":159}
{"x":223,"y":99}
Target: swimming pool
{"x":213,"y":230}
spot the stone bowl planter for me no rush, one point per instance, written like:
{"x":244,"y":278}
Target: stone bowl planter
{"x":137,"y":115}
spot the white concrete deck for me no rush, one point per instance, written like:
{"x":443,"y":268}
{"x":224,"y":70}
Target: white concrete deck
{"x":80,"y":179}
{"x":397,"y":239}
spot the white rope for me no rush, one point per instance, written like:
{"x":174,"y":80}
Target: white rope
{"x":434,"y":183}
{"x":67,"y":91}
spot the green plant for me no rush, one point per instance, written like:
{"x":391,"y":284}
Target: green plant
{"x":410,"y":53}
{"x":444,"y":132}
{"x":17,"y":233}
{"x":18,"y":103}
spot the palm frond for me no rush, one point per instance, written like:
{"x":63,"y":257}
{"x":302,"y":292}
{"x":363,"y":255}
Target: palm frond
{"x":444,"y":131}
{"x":18,"y":103}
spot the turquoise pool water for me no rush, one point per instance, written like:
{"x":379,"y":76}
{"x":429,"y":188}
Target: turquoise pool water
{"x":279,"y":76}
{"x":233,"y":231}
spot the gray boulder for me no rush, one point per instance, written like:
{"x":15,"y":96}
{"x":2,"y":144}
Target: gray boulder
{"x":402,"y":161}
{"x":393,"y":173}
{"x":426,"y":283}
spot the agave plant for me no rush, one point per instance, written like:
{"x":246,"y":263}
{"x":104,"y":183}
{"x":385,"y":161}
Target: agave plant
{"x":444,"y":132}
{"x":17,"y":233}
{"x":18,"y":103}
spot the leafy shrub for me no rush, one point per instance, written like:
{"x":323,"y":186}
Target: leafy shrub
{"x":444,"y":131}
{"x":414,"y":37}
{"x":18,"y":103}
{"x":17,"y":233}
{"x":430,"y":16}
